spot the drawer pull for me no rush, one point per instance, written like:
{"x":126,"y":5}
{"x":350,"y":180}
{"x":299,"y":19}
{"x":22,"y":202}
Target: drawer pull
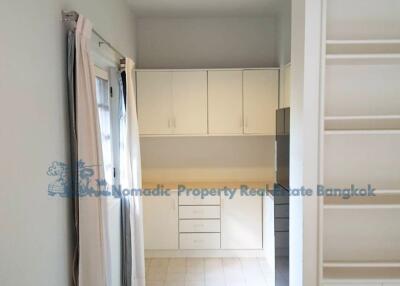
{"x":199,"y":225}
{"x":198,"y":240}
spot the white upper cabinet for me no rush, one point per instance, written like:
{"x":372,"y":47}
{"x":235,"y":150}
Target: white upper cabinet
{"x":154,"y":102}
{"x":225,"y":114}
{"x":172,"y":102}
{"x":260,"y":101}
{"x":189,"y":89}
{"x":201,"y":102}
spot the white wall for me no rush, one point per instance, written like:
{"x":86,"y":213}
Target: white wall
{"x":207,"y":42}
{"x":208,"y":159}
{"x":284,"y":32}
{"x":304,"y":140}
{"x":36,"y":230}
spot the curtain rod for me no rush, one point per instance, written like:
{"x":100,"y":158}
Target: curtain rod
{"x":73,"y":16}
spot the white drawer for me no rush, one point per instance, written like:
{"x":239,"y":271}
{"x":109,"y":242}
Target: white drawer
{"x":200,"y":225}
{"x":282,"y":211}
{"x":199,"y":212}
{"x":190,"y":199}
{"x":199,"y":241}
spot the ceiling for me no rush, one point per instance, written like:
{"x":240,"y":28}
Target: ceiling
{"x":205,"y":8}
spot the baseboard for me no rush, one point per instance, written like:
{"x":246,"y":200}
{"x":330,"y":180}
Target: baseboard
{"x":204,"y":253}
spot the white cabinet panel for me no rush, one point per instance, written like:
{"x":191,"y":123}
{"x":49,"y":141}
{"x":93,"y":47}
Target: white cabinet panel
{"x":260,"y":101}
{"x":199,"y":241}
{"x":200,"y":225}
{"x":187,"y":212}
{"x":191,"y":200}
{"x":189,"y":89}
{"x":161,"y":221}
{"x":225,"y":102}
{"x":154,"y":102}
{"x":241,"y":222}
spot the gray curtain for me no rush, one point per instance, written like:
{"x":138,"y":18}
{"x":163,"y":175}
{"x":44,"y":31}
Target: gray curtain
{"x":70,"y":24}
{"x":126,"y":242}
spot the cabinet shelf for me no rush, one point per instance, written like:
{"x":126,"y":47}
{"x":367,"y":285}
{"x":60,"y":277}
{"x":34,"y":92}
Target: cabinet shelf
{"x":374,"y":122}
{"x":363,"y":117}
{"x":360,"y":58}
{"x":364,"y":42}
{"x":381,"y":200}
{"x":361,"y":129}
{"x":362,"y":264}
{"x":363,"y":272}
{"x":362,"y":132}
{"x":362,"y":206}
{"x":390,"y":46}
{"x":387,"y":192}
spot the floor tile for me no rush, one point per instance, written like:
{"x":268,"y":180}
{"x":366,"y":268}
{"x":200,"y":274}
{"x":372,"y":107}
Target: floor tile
{"x":209,"y":272}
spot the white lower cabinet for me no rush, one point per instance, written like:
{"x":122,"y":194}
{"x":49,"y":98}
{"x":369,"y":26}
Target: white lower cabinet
{"x":241,"y":222}
{"x":161,"y":222}
{"x":199,"y":240}
{"x":227,"y":224}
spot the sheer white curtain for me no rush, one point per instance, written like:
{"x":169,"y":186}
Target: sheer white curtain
{"x":93,"y":268}
{"x":134,"y":178}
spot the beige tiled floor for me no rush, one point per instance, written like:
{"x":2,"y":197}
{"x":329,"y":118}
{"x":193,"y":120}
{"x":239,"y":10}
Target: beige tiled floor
{"x":208,"y":272}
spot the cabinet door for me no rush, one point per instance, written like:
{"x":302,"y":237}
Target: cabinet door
{"x":225,"y":102}
{"x":161,"y":221}
{"x":189,"y":102}
{"x":154,"y":101}
{"x":260,"y":101}
{"x":241,"y":222}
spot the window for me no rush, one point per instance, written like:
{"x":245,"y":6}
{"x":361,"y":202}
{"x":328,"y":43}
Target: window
{"x":104,"y":108}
